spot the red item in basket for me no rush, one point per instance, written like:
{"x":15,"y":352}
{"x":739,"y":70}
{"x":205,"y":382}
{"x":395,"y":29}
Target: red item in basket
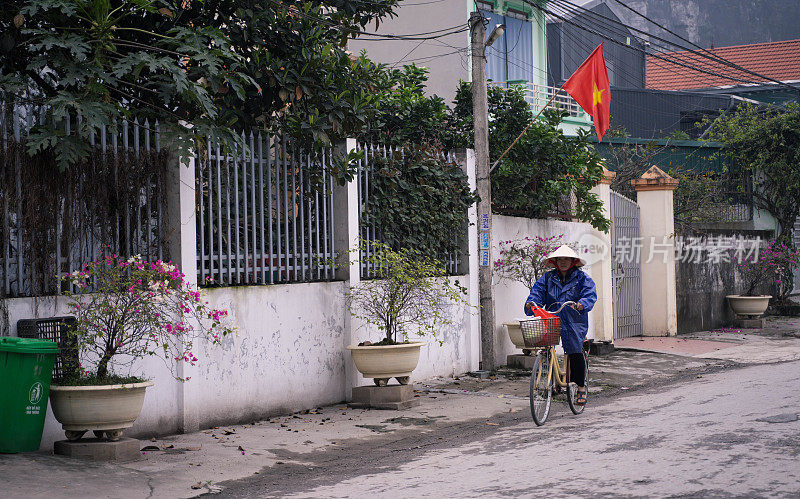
{"x":550,"y":321}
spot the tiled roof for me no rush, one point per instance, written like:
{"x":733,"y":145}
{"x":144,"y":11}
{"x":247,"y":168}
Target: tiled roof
{"x":777,"y":60}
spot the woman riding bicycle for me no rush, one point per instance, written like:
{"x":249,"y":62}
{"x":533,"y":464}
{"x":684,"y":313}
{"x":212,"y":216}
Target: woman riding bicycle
{"x":567,"y":282}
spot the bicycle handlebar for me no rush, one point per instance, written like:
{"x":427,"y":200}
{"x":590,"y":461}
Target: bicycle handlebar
{"x":565,"y":304}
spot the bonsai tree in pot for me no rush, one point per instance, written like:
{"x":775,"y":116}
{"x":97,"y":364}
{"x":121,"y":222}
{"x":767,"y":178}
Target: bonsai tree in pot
{"x":522,"y":261}
{"x":772,"y":266}
{"x":409,"y":295}
{"x":126,"y":310}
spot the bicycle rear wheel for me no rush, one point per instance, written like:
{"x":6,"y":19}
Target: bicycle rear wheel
{"x":541,"y":387}
{"x":573,"y":388}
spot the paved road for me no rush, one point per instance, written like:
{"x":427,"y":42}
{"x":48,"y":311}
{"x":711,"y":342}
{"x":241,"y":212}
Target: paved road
{"x":730,"y":433}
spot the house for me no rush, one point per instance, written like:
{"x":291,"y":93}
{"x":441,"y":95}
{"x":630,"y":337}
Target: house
{"x":518,"y":57}
{"x":778,"y":61}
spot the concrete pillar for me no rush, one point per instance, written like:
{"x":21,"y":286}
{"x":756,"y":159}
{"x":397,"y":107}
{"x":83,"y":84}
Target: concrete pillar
{"x":659,"y":304}
{"x":348,"y":269}
{"x":181,"y":227}
{"x":603,"y":312}
{"x":471,"y":255}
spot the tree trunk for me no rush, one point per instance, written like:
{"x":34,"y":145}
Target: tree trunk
{"x":102,"y":366}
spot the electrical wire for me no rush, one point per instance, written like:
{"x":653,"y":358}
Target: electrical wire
{"x":704,"y":54}
{"x":377,"y":37}
{"x":590,"y":30}
{"x":711,"y":54}
{"x":667,"y":55}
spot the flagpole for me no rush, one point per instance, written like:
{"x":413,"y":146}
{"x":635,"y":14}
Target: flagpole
{"x":527,"y":126}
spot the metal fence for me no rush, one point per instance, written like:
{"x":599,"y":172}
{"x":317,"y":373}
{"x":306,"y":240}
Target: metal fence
{"x":53,"y":222}
{"x":262,"y":219}
{"x":626,"y":267}
{"x":368,"y":231}
{"x":537,"y":96}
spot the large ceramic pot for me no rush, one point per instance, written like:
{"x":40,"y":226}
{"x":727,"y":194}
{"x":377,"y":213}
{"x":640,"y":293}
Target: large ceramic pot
{"x":515,"y":335}
{"x":106,"y":409}
{"x":749,"y":305}
{"x":386,"y":361}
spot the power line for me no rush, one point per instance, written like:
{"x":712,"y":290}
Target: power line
{"x":460,"y":28}
{"x":537,"y":6}
{"x":667,"y":55}
{"x":721,"y":59}
{"x":584,"y":43}
{"x":705,"y":54}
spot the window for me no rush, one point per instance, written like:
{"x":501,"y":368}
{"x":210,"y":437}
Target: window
{"x":510,"y":58}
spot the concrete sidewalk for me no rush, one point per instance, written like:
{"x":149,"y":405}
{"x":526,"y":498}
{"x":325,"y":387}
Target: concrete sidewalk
{"x":776,"y":342}
{"x":192,"y":464}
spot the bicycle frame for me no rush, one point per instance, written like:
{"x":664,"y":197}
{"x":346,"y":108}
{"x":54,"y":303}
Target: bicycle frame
{"x":560,"y":377}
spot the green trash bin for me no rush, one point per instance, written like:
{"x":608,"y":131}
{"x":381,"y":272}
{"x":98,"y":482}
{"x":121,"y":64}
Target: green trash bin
{"x":26,"y":368}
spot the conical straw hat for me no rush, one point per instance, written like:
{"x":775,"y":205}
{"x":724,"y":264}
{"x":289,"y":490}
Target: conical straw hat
{"x":567,"y":252}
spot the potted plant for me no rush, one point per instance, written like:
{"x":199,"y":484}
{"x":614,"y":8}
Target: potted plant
{"x":410,"y":295}
{"x":125,"y":310}
{"x":522,"y":261}
{"x":758,"y":268}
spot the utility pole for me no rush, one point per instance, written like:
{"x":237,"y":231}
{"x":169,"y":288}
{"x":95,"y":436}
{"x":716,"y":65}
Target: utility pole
{"x":480,"y":113}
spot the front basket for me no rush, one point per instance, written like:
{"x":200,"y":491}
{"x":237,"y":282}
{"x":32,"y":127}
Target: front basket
{"x":540,"y":332}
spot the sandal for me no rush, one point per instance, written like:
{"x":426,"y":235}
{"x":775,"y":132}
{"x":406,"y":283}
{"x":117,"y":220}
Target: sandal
{"x":580,"y":396}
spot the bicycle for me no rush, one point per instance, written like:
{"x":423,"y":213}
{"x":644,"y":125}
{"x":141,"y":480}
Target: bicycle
{"x":547,"y":376}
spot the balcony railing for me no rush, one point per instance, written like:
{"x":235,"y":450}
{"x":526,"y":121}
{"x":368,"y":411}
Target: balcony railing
{"x":539,"y":95}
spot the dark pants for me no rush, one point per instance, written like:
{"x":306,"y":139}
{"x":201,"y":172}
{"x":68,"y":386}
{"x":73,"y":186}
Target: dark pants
{"x":577,"y":369}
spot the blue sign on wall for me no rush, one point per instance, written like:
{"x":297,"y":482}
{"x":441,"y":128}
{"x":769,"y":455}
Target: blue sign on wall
{"x":484,"y":241}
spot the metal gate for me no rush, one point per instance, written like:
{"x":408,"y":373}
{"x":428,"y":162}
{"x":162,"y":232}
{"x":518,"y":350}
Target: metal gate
{"x":626,"y":268}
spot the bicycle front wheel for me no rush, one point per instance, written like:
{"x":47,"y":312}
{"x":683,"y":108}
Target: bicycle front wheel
{"x":541,"y":387}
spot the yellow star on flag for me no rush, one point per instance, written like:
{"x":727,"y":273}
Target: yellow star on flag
{"x":597,"y":95}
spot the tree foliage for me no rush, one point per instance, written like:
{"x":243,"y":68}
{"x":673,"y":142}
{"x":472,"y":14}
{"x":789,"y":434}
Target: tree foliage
{"x":405,"y":115}
{"x":103,"y":61}
{"x":201,"y":68}
{"x":764,"y":144}
{"x":544,"y":169}
{"x":701,"y":197}
{"x":411,"y":294}
{"x":419,"y":200}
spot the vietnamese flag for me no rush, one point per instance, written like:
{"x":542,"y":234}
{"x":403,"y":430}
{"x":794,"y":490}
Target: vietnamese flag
{"x":589,"y":86}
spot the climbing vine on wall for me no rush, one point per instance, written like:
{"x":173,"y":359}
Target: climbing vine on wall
{"x":419,"y":201}
{"x":109,"y":202}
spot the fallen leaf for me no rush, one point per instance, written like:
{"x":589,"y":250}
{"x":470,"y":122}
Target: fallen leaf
{"x":493,"y":424}
{"x":150,"y":447}
{"x":229,"y":432}
{"x":170,"y":446}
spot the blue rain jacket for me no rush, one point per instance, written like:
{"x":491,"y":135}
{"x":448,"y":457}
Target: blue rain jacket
{"x":578,"y":287}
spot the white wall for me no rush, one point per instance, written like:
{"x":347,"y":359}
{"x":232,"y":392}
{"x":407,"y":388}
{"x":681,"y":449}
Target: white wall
{"x":288,"y":354}
{"x":509,"y":297}
{"x":446,"y":57}
{"x":159,"y":414}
